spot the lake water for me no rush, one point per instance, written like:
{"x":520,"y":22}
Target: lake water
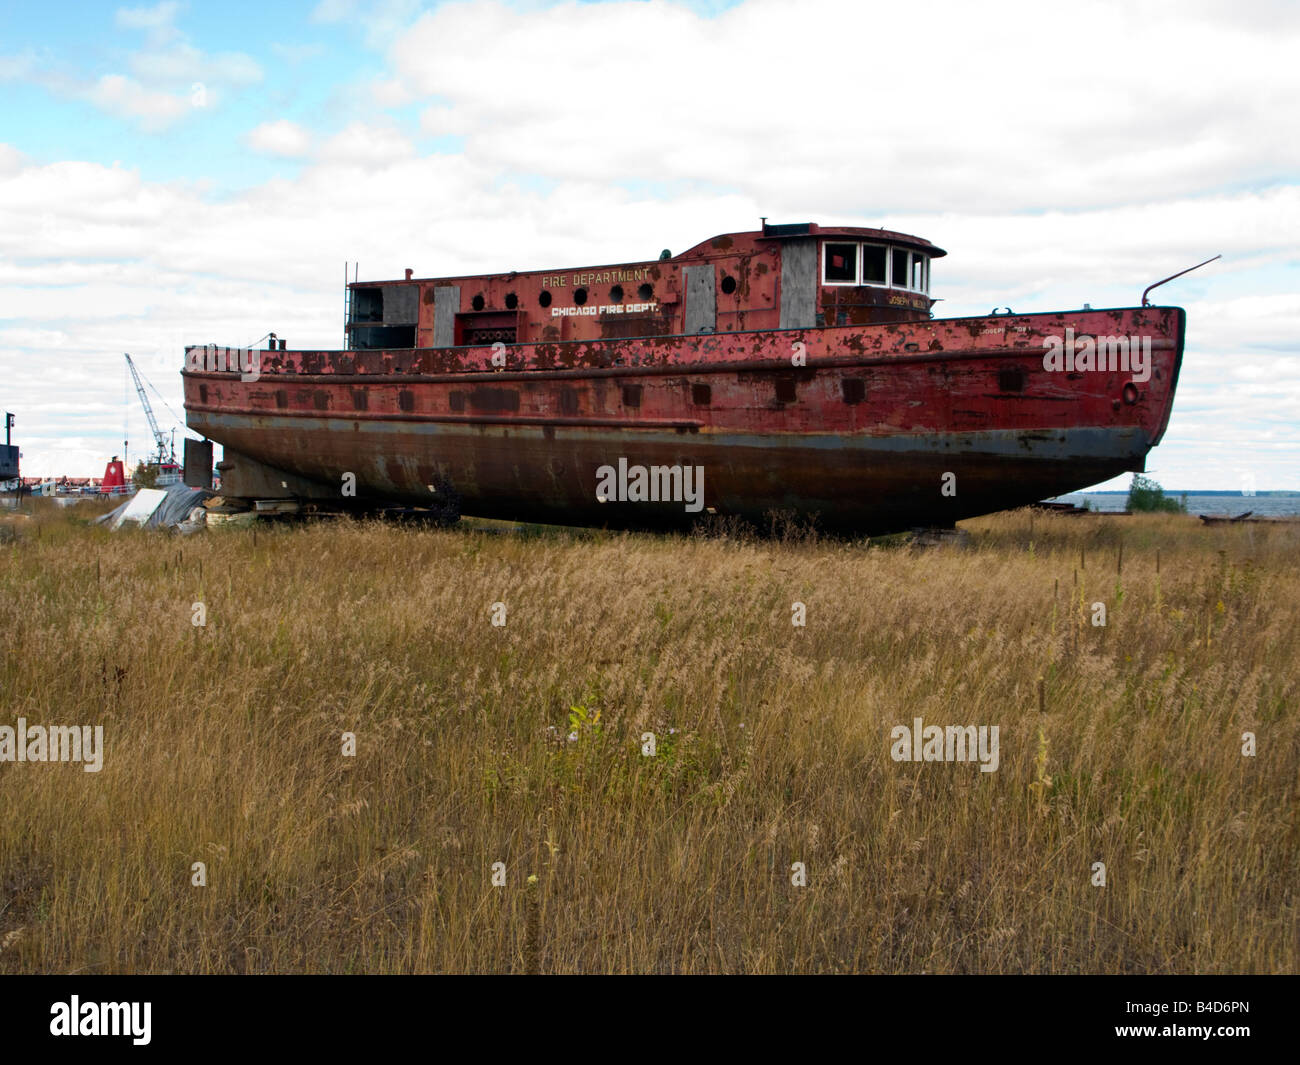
{"x":1261,"y":506}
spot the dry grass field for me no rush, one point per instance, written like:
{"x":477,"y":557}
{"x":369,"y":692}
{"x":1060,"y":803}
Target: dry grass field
{"x":522,"y":744}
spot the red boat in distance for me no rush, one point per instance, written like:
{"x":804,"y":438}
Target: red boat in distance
{"x":794,"y":368}
{"x":114,"y":482}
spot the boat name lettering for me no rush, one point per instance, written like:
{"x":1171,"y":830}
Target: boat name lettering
{"x":607,"y":308}
{"x":901,"y":300}
{"x":598,"y":277}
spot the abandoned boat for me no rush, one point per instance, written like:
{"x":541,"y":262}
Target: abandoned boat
{"x":794,"y":368}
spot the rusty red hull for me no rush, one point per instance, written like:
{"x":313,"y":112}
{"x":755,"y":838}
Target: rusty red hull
{"x":870,"y":428}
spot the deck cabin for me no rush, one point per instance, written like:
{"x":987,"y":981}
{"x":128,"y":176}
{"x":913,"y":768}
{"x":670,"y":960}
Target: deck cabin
{"x":778,"y":277}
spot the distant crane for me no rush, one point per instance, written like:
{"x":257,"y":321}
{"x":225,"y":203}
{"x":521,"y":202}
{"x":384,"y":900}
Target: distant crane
{"x":166,"y":453}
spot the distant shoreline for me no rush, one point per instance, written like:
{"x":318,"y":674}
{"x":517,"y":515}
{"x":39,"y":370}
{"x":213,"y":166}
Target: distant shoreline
{"x":1275,"y":504}
{"x":1186,"y":492}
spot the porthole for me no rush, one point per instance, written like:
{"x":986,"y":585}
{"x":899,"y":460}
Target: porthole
{"x":728,"y":284}
{"x":512,"y":301}
{"x":616,"y":294}
{"x":579,"y":296}
{"x":477,"y":302}
{"x":645,"y":292}
{"x":544,"y":300}
{"x":1012,"y":379}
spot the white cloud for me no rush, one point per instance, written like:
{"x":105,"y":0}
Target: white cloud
{"x":367,"y":145}
{"x":1007,"y":106}
{"x":124,"y":97}
{"x":390,"y":92}
{"x":11,"y":159}
{"x":445,"y":121}
{"x":1121,"y":247}
{"x":157,"y":19}
{"x":333,"y":10}
{"x":181,"y":63}
{"x":169,"y":77}
{"x":17,"y":67}
{"x":282,"y":138}
{"x":380,"y":20}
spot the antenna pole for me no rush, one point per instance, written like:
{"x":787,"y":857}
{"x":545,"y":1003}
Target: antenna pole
{"x":1146,"y":302}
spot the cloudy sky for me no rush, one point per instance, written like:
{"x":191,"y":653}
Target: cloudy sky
{"x":195,"y":172}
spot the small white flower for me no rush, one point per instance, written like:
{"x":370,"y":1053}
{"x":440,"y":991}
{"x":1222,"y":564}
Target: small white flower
{"x":573,"y":737}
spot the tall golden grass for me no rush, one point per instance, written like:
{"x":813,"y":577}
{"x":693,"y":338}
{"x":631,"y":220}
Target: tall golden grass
{"x":522,"y":744}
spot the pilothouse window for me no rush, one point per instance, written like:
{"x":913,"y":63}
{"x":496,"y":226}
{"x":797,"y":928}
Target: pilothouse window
{"x":874,"y":257}
{"x":875,"y":264}
{"x":841,"y":263}
{"x":899,"y":278}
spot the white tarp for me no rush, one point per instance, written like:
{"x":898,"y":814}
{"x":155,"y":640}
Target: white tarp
{"x":173,"y":512}
{"x":140,"y":509}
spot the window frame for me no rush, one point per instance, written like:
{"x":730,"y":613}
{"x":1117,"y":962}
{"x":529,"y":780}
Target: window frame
{"x":857,"y":260}
{"x":894,"y":252}
{"x":862,"y":262}
{"x":916,"y":275}
{"x":913,"y":260}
